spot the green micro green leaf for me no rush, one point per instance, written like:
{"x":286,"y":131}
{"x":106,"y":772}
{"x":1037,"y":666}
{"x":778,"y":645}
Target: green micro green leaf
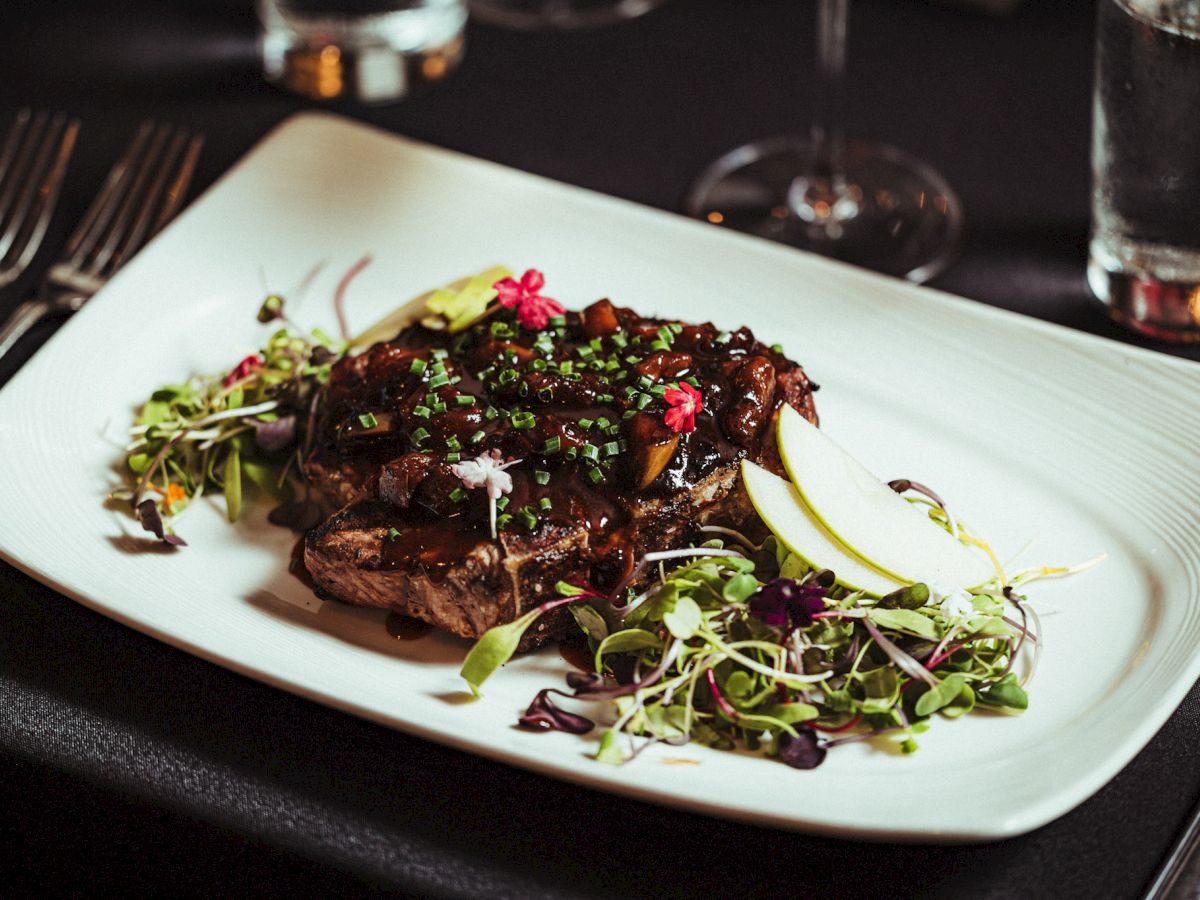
{"x":683,"y":619}
{"x":231,"y":475}
{"x":739,"y":588}
{"x":608,"y":751}
{"x":1006,"y":692}
{"x":494,"y":649}
{"x":907,"y":620}
{"x":941,"y":695}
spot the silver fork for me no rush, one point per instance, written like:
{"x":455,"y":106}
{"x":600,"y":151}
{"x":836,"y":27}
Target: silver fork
{"x":33,"y":164}
{"x":141,"y":194}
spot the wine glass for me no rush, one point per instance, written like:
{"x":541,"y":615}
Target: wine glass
{"x":563,"y":15}
{"x":862,"y":202}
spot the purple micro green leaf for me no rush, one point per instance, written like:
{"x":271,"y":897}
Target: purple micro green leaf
{"x":543,"y":714}
{"x":148,"y":516}
{"x":805,"y":751}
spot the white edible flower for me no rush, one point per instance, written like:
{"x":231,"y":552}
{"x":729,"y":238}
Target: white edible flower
{"x":954,"y":602}
{"x":486,"y":470}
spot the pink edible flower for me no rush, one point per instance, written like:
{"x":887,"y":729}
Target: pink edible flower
{"x":685,"y":401}
{"x":243,"y":369}
{"x":533,"y":310}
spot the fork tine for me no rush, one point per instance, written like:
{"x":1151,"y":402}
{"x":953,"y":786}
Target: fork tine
{"x":178,"y":188}
{"x":31,"y":189}
{"x":11,"y":141}
{"x":88,"y":232}
{"x":141,"y":222}
{"x":17,"y":172}
{"x":117,"y":228}
{"x":48,"y":192}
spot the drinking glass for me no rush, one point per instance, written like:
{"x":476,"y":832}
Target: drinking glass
{"x":559,"y":14}
{"x":374,"y":51}
{"x":862,"y":202}
{"x":1144,"y":253}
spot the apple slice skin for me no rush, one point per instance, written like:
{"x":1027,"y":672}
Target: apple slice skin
{"x":871,"y":520}
{"x":793,"y":524}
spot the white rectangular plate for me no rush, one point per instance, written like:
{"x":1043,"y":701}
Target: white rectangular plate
{"x":1055,"y":445}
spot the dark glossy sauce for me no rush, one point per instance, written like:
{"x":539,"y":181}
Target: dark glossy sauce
{"x":406,"y":628}
{"x":452,"y":398}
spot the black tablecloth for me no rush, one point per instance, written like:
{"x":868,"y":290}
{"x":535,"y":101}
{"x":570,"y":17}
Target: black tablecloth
{"x":128,"y":766}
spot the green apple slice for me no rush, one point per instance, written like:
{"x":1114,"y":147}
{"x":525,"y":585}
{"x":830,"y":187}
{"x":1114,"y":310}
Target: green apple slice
{"x":781,"y":508}
{"x":869,"y":518}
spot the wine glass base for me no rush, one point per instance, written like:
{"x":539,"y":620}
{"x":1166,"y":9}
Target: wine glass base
{"x":894,"y":214}
{"x":558,"y":15}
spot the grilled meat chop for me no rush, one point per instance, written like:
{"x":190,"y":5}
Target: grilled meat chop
{"x":602,"y":479}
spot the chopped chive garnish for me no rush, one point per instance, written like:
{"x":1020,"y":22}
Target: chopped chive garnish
{"x":439,"y":368}
{"x":660,"y":345}
{"x":552,"y":445}
{"x":585,"y":423}
{"x":477,"y":437}
{"x":585,"y":352}
{"x":605,"y":398}
{"x":453,"y":442}
{"x":629,"y":414}
{"x":422,"y":411}
{"x":590,"y":452}
{"x":602,"y":423}
{"x":541,"y":476}
{"x":523,"y":420}
{"x":438,"y":381}
{"x":612,"y":365}
{"x":645,"y":381}
{"x":566,"y":367}
{"x":464,"y":400}
{"x":693,"y":381}
{"x":633,"y":360}
{"x":393,"y":534}
{"x":777,"y":348}
{"x":368,"y":420}
{"x":571,"y":453}
{"x":665,"y":334}
{"x":536,"y":365}
{"x":418,"y":366}
{"x":545,"y":394}
{"x":508,"y":376}
{"x":502,"y":503}
{"x":500,"y":329}
{"x":503,"y":519}
{"x":612,"y":448}
{"x":453,"y":457}
{"x":676,"y":327}
{"x":523,"y":389}
{"x":430,"y":399}
{"x":595,"y":476}
{"x":439,"y":408}
{"x":556,"y":321}
{"x":458,"y":495}
{"x":644,"y":400}
{"x":491,"y":412}
{"x":630,"y":392}
{"x":545,"y":503}
{"x":596,"y":344}
{"x":658,"y":390}
{"x":619,"y":340}
{"x":440,"y":353}
{"x":421,"y":434}
{"x":456,"y":379}
{"x":612,"y":430}
{"x":723,"y":338}
{"x":528,"y":517}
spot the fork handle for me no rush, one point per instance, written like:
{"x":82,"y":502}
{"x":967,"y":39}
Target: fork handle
{"x":24,"y":317}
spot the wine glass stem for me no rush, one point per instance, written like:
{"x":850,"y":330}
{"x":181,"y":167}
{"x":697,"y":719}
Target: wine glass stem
{"x":820,"y":196}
